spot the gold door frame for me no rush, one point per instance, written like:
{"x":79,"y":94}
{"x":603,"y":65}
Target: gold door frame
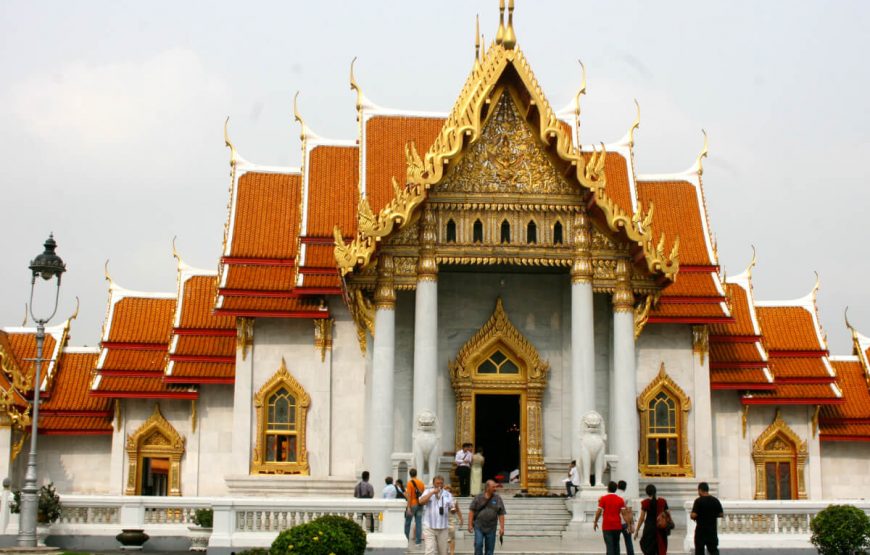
{"x":498,"y":333}
{"x":156,"y":438}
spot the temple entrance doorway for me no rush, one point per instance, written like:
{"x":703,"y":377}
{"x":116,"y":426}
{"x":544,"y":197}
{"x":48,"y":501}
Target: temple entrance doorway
{"x":497,"y":430}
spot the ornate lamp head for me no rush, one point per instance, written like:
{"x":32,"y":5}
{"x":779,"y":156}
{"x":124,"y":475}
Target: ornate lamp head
{"x":47,"y":264}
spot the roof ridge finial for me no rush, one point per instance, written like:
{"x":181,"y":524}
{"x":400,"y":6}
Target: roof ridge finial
{"x":752,"y":262}
{"x":354,"y":86}
{"x":580,"y":92}
{"x":477,"y":40}
{"x":234,"y":155}
{"x":849,"y":324}
{"x":26,"y":315}
{"x":499,"y":35}
{"x":510,"y":37}
{"x":634,"y":126}
{"x":175,"y":254}
{"x":298,"y":116}
{"x":816,"y":287}
{"x":75,"y":313}
{"x":699,"y":167}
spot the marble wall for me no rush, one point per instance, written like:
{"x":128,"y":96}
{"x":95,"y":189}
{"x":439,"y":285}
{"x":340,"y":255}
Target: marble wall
{"x":845,"y":469}
{"x":71,"y":462}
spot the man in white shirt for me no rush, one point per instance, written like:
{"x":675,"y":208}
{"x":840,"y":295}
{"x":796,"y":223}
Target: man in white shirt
{"x":463,"y":469}
{"x":389,"y":491}
{"x":627,"y":513}
{"x":436,"y":518}
{"x":572,"y":482}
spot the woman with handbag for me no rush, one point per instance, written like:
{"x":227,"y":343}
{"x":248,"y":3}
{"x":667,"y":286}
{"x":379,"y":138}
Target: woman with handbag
{"x":655,"y":519}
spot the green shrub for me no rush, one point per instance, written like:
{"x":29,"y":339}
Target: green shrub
{"x":840,"y":530}
{"x":254,"y":551}
{"x":48,"y":506}
{"x":203,"y":517}
{"x":327,"y":535}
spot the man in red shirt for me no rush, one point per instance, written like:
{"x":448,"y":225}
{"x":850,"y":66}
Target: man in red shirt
{"x":612,"y":506}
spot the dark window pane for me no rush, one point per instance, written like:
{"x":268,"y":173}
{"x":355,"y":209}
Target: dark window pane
{"x":509,"y":368}
{"x":291,"y":449}
{"x":672,"y":450}
{"x":505,"y":232}
{"x":662,"y":451}
{"x":770,"y":480}
{"x":451,"y":231}
{"x":477,"y":231}
{"x":487,"y":368}
{"x":532,"y":233}
{"x":651,"y":455}
{"x":785,"y":480}
{"x":270,"y":448}
{"x":498,"y":357}
{"x":557,"y":233}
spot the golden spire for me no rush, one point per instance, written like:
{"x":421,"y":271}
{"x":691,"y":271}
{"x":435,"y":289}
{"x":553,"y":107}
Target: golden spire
{"x":752,"y":263}
{"x":816,"y":287}
{"x":510,"y":38}
{"x":107,"y":275}
{"x":698,"y":165}
{"x":477,"y":40}
{"x":849,"y":324}
{"x":75,"y":313}
{"x":234,"y":156}
{"x":580,"y":93}
{"x":354,"y":86}
{"x":634,"y":126}
{"x":298,"y":116}
{"x":175,"y":251}
{"x":499,"y":35}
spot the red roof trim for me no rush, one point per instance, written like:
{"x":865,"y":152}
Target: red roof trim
{"x":797,"y":354}
{"x":189,"y":395}
{"x":304,"y":270}
{"x":791,"y":401}
{"x":202,"y":358}
{"x":829,"y":437}
{"x":133,"y":346}
{"x":690,"y":319}
{"x":318,"y":315}
{"x":258,"y":261}
{"x":734,"y":338}
{"x":742,"y":385}
{"x":256,"y":293}
{"x":197,"y":380}
{"x":71,"y":432}
{"x":208,"y":332}
{"x":844,"y":420}
{"x":820,"y":380}
{"x":318,"y":291}
{"x":131,"y":373}
{"x":691,"y":300}
{"x":96,"y":413}
{"x":314,"y":240}
{"x":737,"y":365}
{"x":698,"y":268}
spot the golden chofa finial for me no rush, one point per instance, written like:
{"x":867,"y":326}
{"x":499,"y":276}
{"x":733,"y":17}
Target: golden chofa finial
{"x":107,"y":275}
{"x":752,"y":262}
{"x":354,"y":86}
{"x":298,"y":116}
{"x":635,"y":125}
{"x":699,"y":166}
{"x":175,"y":254}
{"x":234,"y":156}
{"x":510,"y":38}
{"x":849,"y":324}
{"x":499,"y":35}
{"x":816,"y":287}
{"x":26,"y":314}
{"x":580,"y":93}
{"x":75,"y":313}
{"x":477,"y":40}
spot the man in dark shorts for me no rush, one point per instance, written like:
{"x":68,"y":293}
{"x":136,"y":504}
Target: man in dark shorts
{"x":484,"y":515}
{"x":705,"y":511}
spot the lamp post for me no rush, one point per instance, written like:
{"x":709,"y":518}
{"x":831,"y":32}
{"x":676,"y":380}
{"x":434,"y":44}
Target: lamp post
{"x":46,"y":265}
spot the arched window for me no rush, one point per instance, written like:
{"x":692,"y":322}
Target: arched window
{"x":780,"y":457}
{"x":532,"y":232}
{"x":664,"y":409}
{"x":477,"y":232}
{"x":505,"y":232}
{"x":498,"y":363}
{"x":154,"y":453}
{"x":451,"y":231}
{"x":557,"y":233}
{"x":282,"y":409}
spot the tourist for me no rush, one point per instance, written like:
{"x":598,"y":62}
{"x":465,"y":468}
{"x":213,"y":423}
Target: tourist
{"x":414,"y":511}
{"x":462,"y":462}
{"x":477,"y":461}
{"x":705,"y":511}
{"x":389,"y":491}
{"x":653,"y":540}
{"x":627,"y":517}
{"x":400,"y":489}
{"x":364,"y":490}
{"x":611,"y":506}
{"x":572,"y":482}
{"x":485,"y":514}
{"x":455,"y":523}
{"x":436,"y":520}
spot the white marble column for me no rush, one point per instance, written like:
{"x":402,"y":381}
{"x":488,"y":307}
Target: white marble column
{"x":243,"y":399}
{"x":623,"y":430}
{"x":5,"y":447}
{"x":118,"y":456}
{"x":582,"y":332}
{"x":426,"y":322}
{"x":379,"y":431}
{"x":701,"y":405}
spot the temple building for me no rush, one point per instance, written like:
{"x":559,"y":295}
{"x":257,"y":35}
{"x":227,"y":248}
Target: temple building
{"x":481,"y":275}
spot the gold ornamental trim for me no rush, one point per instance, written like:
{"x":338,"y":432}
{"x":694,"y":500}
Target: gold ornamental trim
{"x":281,"y":378}
{"x":155,"y":438}
{"x":323,"y":336}
{"x":498,"y":333}
{"x":663,"y":383}
{"x":779,"y":443}
{"x":462,"y":128}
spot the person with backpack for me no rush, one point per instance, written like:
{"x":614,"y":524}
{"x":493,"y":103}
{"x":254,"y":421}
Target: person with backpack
{"x":414,"y":510}
{"x":485,"y":514}
{"x":364,"y":490}
{"x":655,"y":519}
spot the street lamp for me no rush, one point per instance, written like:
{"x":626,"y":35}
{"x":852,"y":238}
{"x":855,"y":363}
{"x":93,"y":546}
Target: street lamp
{"x":46,"y":265}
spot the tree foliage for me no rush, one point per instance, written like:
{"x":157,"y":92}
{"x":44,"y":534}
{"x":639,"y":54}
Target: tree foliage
{"x":840,"y":530}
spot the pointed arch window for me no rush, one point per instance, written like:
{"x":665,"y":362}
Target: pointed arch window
{"x":505,"y":232}
{"x":498,"y":363}
{"x":477,"y":231}
{"x":154,"y":453}
{"x":664,"y":409}
{"x":282,"y":409}
{"x":450,"y":235}
{"x":780,"y":457}
{"x":532,"y":232}
{"x":557,"y":233}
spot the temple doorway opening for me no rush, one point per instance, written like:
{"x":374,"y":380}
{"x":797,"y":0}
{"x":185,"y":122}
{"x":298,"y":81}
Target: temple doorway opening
{"x":497,"y":429}
{"x":155,"y":476}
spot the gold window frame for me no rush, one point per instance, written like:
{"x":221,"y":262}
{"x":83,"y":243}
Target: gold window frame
{"x":259,"y":465}
{"x":155,"y":438}
{"x":663,"y":383}
{"x":779,"y":443}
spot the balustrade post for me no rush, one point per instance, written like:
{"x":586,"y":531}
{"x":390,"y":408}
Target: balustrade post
{"x":133,"y":513}
{"x":222,"y":524}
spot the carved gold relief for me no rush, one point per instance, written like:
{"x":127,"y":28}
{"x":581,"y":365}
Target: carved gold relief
{"x":323,"y":336}
{"x":244,"y":335}
{"x":663,"y":389}
{"x":641,"y":313}
{"x":155,"y":438}
{"x":701,"y":341}
{"x":282,"y":379}
{"x":780,"y":444}
{"x":623,"y":297}
{"x":529,"y":382}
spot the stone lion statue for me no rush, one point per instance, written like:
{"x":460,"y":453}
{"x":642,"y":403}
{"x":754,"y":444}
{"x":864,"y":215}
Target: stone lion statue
{"x":592,"y":446}
{"x":427,"y":440}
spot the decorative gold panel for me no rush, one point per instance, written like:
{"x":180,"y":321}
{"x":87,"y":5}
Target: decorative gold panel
{"x":529,"y":382}
{"x":155,"y":438}
{"x":663,"y":383}
{"x":281,"y":378}
{"x":779,"y":443}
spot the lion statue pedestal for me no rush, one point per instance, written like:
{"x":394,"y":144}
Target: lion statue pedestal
{"x":593,"y":443}
{"x":427,"y":440}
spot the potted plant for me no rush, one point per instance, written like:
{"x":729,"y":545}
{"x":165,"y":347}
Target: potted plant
{"x":840,"y":530}
{"x":200,"y":534}
{"x":48,"y":509}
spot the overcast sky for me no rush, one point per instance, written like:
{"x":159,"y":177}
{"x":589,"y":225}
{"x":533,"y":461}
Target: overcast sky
{"x":111,"y":119}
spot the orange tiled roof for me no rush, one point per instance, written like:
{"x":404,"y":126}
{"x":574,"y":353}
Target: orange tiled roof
{"x":258,"y":278}
{"x":800,"y":367}
{"x":844,"y":431}
{"x":266,"y":221}
{"x":202,"y":372}
{"x":788,"y":328}
{"x":320,"y":256}
{"x":618,"y":187}
{"x":133,"y":360}
{"x":270,"y":304}
{"x":752,"y":378}
{"x":197,"y":301}
{"x":141,"y":320}
{"x":69,"y":392}
{"x":23,"y":345}
{"x":146,"y":387}
{"x":723,"y":353}
{"x":695,"y":284}
{"x":677,"y":214}
{"x":814,"y":394}
{"x":741,"y":308}
{"x":665,"y":310}
{"x":333,"y":190}
{"x":74,"y":425}
{"x":852,"y":379}
{"x":320,"y":281}
{"x":204,"y":345}
{"x":385,"y":140}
